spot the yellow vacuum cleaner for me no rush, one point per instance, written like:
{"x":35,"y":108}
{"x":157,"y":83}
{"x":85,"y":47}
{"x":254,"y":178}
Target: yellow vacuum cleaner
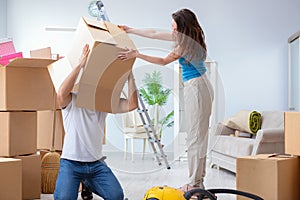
{"x":164,"y":193}
{"x":168,"y":193}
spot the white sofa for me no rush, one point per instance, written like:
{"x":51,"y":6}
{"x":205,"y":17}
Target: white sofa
{"x":224,"y":149}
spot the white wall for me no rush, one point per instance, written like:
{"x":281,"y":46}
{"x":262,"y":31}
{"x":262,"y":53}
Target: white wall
{"x":3,"y":18}
{"x":248,"y":39}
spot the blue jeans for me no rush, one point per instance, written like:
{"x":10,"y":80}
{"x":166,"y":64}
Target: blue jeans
{"x":97,"y":175}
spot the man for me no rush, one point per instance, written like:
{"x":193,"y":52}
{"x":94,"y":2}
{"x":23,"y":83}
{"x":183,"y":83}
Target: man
{"x":82,"y":157}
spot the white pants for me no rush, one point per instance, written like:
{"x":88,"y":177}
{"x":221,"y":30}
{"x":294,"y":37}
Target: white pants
{"x":198,"y":98}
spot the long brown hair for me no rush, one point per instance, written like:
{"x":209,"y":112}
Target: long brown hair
{"x":190,"y":37}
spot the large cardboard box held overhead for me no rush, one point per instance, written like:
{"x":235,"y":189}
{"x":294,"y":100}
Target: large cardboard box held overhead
{"x":25,"y":84}
{"x":11,"y":179}
{"x":17,"y":133}
{"x":100,"y":83}
{"x":268,"y":176}
{"x":292,"y":133}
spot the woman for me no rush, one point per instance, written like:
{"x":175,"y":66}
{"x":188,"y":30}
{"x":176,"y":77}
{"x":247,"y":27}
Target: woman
{"x":190,"y":50}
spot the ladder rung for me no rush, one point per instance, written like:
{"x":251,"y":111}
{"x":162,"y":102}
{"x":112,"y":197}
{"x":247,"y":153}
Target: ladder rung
{"x":152,"y":140}
{"x":157,"y":154}
{"x":163,"y":156}
{"x":142,"y":110}
{"x":147,"y":125}
{"x":160,"y":155}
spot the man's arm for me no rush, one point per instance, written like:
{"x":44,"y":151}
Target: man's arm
{"x":131,"y":102}
{"x":64,"y":93}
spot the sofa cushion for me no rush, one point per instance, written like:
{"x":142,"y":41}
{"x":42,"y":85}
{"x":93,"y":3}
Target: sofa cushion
{"x":233,"y":146}
{"x":272,"y":119}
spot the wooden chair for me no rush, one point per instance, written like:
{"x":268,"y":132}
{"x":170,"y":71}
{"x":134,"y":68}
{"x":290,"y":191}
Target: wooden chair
{"x":133,"y":129}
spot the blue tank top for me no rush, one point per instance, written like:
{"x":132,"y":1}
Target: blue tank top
{"x":191,"y":69}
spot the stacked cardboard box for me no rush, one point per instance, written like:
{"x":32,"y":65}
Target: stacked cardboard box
{"x":17,"y":133}
{"x":25,"y":88}
{"x":26,"y":85}
{"x":45,"y":120}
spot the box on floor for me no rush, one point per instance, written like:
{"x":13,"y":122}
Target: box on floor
{"x":268,"y":176}
{"x":11,"y":178}
{"x":31,"y":176}
{"x":100,"y":84}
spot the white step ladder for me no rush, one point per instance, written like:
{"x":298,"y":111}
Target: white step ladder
{"x":151,"y":132}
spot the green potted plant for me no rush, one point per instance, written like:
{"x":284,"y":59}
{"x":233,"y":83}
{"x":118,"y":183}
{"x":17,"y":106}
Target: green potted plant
{"x":154,"y":94}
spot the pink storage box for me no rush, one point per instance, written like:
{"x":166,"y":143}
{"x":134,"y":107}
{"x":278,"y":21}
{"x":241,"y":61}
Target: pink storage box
{"x":7,"y":47}
{"x":5,"y":59}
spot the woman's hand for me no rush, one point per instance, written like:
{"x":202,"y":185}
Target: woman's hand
{"x":84,"y":55}
{"x":127,"y":54}
{"x":125,"y":28}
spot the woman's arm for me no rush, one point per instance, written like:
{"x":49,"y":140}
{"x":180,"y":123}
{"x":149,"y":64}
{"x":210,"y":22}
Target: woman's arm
{"x":131,"y":102}
{"x":149,"y":33}
{"x":64,"y":96}
{"x":130,"y":53}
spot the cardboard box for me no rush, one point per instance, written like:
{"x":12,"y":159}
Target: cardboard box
{"x":41,"y":53}
{"x":268,"y":176}
{"x":17,"y":133}
{"x":292,"y":133}
{"x":45,"y":53}
{"x":31,"y":176}
{"x":45,"y":130}
{"x":100,"y":84}
{"x":11,"y":179}
{"x":25,"y":84}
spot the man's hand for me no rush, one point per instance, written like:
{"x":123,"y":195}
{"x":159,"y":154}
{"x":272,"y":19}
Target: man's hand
{"x":64,"y":96}
{"x":84,"y":55}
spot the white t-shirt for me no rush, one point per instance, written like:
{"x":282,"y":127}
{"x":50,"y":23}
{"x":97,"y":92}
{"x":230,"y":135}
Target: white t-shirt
{"x":84,"y":130}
